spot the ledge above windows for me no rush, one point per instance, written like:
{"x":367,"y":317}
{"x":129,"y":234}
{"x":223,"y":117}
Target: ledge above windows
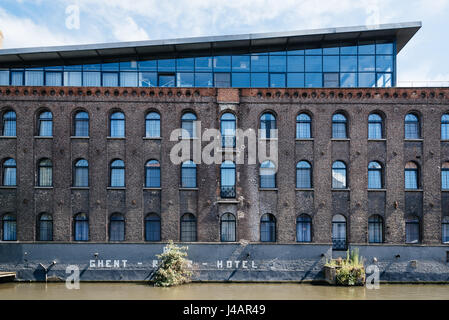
{"x":340,"y":139}
{"x":43,"y":137}
{"x":116,"y":138}
{"x":304,"y":139}
{"x":188,"y":189}
{"x":377,"y":140}
{"x":152,"y":138}
{"x":268,"y":189}
{"x":80,"y":138}
{"x":338,"y":190}
{"x":15,"y":187}
{"x":413,"y":140}
{"x":8,"y":137}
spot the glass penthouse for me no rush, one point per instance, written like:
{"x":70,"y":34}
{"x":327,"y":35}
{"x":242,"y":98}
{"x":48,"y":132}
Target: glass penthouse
{"x":337,"y":57}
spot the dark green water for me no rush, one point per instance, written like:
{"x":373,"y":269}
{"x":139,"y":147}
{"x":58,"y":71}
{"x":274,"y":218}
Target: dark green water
{"x":212,"y":291}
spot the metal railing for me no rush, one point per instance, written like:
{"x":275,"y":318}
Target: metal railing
{"x":422,"y":84}
{"x":339,"y":244}
{"x":227,"y":192}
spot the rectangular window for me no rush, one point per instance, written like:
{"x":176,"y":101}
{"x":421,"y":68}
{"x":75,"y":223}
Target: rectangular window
{"x":73,"y":79}
{"x":186,"y":64}
{"x":185,"y":79}
{"x":314,"y":80}
{"x":240,"y":80}
{"x":374,"y":179}
{"x":34,"y":78}
{"x":259,"y":64}
{"x":384,"y":80}
{"x":348,"y":63}
{"x":4,"y":78}
{"x":348,"y":80}
{"x":384,"y":48}
{"x":331,"y":80}
{"x":128,"y":79}
{"x":314,"y":63}
{"x":411,"y":179}
{"x":303,"y":179}
{"x":384,"y":63}
{"x":367,"y":80}
{"x":412,"y":232}
{"x":351,"y":50}
{"x":295,"y":64}
{"x":295,"y":80}
{"x":240,"y":63}
{"x":53,"y":78}
{"x":203,"y":79}
{"x":331,"y":63}
{"x":277,"y":80}
{"x":367,"y":64}
{"x":367,"y":49}
{"x":259,"y":80}
{"x":166,"y":65}
{"x":92,"y":79}
{"x":331,"y":51}
{"x":445,"y":179}
{"x":278,"y":63}
{"x":112,"y":66}
{"x":150,"y":65}
{"x":147,"y":79}
{"x":314,"y":52}
{"x":92,"y":67}
{"x":222,"y":64}
{"x":110,"y":79}
{"x":128,"y":66}
{"x":203,"y":64}
{"x":17,"y":78}
{"x":222,"y":80}
{"x":188,"y":178}
{"x":167,"y":80}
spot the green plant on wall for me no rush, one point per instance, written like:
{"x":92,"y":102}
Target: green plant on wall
{"x":173,"y":268}
{"x":349,"y":271}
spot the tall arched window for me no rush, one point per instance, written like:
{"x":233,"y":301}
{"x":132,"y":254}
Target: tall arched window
{"x":153,"y":174}
{"x":227,"y":182}
{"x":45,"y":227}
{"x":227,"y":228}
{"x":152,"y":227}
{"x":188,"y":174}
{"x":339,"y":126}
{"x":267,"y":175}
{"x":339,"y":232}
{"x":188,"y":121}
{"x":227,"y":128}
{"x":303,"y":175}
{"x":9,"y":124}
{"x":117,"y":125}
{"x":303,"y":126}
{"x":188,"y":228}
{"x":268,"y":126}
{"x":153,"y":125}
{"x":445,"y":231}
{"x":375,"y":229}
{"x":116,"y":227}
{"x":81,"y":227}
{"x":412,"y":127}
{"x":412,"y":230}
{"x":411,"y":176}
{"x":268,"y":228}
{"x":45,"y":173}
{"x":339,"y":175}
{"x":375,"y":127}
{"x":9,"y":227}
{"x":9,"y":172}
{"x":445,"y":176}
{"x":375,"y":175}
{"x":304,"y":228}
{"x":117,"y":178}
{"x":45,"y":124}
{"x":81,"y":126}
{"x":81,"y":174}
{"x":445,"y":127}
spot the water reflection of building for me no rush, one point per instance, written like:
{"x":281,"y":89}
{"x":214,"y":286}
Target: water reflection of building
{"x":86,"y":140}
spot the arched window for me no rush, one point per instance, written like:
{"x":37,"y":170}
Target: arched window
{"x":45,"y":178}
{"x":412,"y":230}
{"x":339,"y":232}
{"x":412,"y":127}
{"x":188,"y":121}
{"x":375,"y":127}
{"x":268,"y":126}
{"x":227,"y":128}
{"x":227,"y":177}
{"x":81,"y":174}
{"x":228,"y":228}
{"x":188,"y":174}
{"x":153,"y":174}
{"x":117,"y":178}
{"x":153,"y":125}
{"x":152,"y":227}
{"x":9,"y":227}
{"x":81,"y":227}
{"x":9,"y":172}
{"x":45,"y":124}
{"x":445,"y":176}
{"x":339,"y":126}
{"x":374,"y":175}
{"x":45,"y":227}
{"x":375,"y":229}
{"x":445,"y":231}
{"x":303,"y":175}
{"x":304,"y":228}
{"x":188,"y":228}
{"x":268,"y":228}
{"x":9,"y":124}
{"x":303,"y":126}
{"x":339,"y":175}
{"x":267,"y":175}
{"x":117,"y":125}
{"x":81,"y":124}
{"x":116,"y":227}
{"x":411,"y":176}
{"x":445,"y":127}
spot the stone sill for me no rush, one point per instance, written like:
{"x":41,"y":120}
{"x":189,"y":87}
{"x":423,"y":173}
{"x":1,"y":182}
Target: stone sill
{"x":8,"y":137}
{"x":79,"y":188}
{"x":116,"y":188}
{"x":341,"y":139}
{"x":268,"y":189}
{"x":338,"y":190}
{"x":414,"y":190}
{"x":222,"y":201}
{"x":304,"y":189}
{"x":377,"y":140}
{"x":377,"y":190}
{"x":43,"y":137}
{"x":43,"y":188}
{"x":413,"y":140}
{"x":152,"y":189}
{"x":80,"y":137}
{"x":116,"y":138}
{"x":8,"y":187}
{"x":268,"y":139}
{"x":188,"y":189}
{"x":304,"y":139}
{"x":152,"y":138}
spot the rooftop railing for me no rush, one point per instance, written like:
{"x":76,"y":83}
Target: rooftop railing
{"x":422,"y":84}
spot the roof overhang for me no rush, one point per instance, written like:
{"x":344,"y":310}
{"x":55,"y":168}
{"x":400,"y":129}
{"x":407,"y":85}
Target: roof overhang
{"x":203,"y":46}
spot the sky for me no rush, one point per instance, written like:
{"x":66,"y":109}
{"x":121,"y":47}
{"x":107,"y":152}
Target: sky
{"x":29,"y":23}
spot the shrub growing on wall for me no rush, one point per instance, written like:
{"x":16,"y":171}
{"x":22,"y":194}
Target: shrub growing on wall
{"x":173,"y":268}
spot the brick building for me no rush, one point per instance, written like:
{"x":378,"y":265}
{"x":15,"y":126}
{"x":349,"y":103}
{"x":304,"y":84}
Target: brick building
{"x":86,"y":141}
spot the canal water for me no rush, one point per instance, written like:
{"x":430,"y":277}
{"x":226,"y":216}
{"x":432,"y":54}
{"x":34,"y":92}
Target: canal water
{"x":218,"y":291}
